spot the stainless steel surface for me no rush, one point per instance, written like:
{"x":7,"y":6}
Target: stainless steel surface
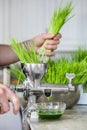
{"x":35,"y":72}
{"x":70,"y":98}
{"x":32,"y":84}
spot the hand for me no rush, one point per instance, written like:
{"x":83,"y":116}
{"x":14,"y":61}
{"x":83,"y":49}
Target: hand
{"x":51,"y":42}
{"x":6,"y":96}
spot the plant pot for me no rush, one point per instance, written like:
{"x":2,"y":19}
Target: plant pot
{"x":70,"y":98}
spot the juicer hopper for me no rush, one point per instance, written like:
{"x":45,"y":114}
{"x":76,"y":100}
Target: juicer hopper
{"x":34,"y":73}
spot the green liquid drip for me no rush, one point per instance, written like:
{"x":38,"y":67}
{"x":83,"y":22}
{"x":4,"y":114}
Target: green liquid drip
{"x":48,"y":98}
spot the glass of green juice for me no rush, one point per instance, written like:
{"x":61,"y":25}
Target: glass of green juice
{"x":50,"y":110}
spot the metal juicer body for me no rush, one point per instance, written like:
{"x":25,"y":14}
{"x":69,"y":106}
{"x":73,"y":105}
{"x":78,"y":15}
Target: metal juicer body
{"x":32,"y":87}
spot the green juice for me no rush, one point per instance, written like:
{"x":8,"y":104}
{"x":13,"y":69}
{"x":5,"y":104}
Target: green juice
{"x":49,"y":114}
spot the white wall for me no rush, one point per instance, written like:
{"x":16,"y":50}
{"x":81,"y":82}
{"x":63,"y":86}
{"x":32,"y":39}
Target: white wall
{"x":24,"y":19}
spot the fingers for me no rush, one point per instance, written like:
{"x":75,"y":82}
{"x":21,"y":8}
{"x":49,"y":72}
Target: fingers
{"x":7,"y":95}
{"x":14,"y":100}
{"x":16,"y":104}
{"x":3,"y":102}
{"x":50,"y":53}
{"x":52,"y":36}
{"x":51,"y":41}
{"x":52,"y":45}
{"x":58,"y":36}
{"x":47,"y":36}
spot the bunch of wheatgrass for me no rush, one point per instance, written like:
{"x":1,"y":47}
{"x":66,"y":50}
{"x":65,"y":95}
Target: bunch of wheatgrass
{"x":26,"y":52}
{"x":59,"y":18}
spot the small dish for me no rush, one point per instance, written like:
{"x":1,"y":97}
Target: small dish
{"x":50,"y":110}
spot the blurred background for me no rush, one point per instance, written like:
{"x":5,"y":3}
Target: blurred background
{"x":24,"y":19}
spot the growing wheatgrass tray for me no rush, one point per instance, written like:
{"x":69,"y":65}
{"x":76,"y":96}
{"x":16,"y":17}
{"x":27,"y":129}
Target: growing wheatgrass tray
{"x":57,"y":69}
{"x":27,"y":52}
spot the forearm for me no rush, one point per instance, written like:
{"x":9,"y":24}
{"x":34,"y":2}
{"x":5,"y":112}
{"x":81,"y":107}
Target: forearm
{"x":8,"y":56}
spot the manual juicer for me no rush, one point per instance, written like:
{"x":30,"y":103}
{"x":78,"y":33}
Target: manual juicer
{"x":32,"y":87}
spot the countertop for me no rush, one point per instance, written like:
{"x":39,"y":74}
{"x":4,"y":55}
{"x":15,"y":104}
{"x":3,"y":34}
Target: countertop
{"x":73,"y":119}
